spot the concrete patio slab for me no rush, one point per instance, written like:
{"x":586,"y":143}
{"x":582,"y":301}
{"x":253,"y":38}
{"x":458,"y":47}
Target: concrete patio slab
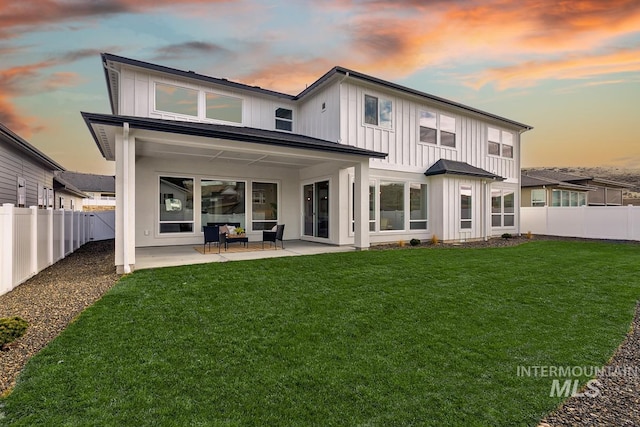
{"x":171,"y":256}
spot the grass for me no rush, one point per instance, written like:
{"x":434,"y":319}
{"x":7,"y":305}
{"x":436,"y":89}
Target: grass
{"x":398,"y":337}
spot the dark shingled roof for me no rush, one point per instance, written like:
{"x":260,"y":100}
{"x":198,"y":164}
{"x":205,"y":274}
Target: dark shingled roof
{"x":536,"y":181}
{"x":88,"y":182}
{"x":453,"y":167}
{"x":235,"y":133}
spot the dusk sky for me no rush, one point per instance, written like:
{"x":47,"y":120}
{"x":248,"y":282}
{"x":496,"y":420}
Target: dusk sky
{"x":570,"y":69}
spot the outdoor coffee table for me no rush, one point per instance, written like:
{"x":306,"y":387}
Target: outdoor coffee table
{"x":240,"y":238}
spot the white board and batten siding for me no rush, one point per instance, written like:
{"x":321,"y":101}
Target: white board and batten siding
{"x":137,"y":98}
{"x":318,"y":122}
{"x":14,"y":164}
{"x":402,"y":141}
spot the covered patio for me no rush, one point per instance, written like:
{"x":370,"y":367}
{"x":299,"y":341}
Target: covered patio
{"x":171,"y":256}
{"x":271,"y":178}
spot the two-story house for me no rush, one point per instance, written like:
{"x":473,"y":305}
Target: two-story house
{"x":351,"y":160}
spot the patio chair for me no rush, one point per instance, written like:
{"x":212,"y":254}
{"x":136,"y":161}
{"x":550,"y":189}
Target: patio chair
{"x":274,"y":236}
{"x":211,"y":235}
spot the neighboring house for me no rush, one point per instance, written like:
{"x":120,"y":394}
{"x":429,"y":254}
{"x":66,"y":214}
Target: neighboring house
{"x":26,"y":174}
{"x":351,"y":160}
{"x":548,"y":187}
{"x":67,"y":195}
{"x":98,"y":190}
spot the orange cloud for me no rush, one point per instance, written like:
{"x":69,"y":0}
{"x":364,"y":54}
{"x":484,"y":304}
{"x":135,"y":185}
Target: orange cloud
{"x":289,"y":76}
{"x":397,"y":38}
{"x":573,"y":67}
{"x":32,"y":79}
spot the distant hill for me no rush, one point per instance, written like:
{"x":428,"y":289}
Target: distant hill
{"x":628,"y":176}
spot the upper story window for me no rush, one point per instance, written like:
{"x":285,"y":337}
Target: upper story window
{"x":284,"y":119}
{"x":430,"y":122}
{"x":175,"y":99}
{"x":500,"y":143}
{"x":225,"y":108}
{"x":378,"y":111}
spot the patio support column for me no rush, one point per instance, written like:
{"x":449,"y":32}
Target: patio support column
{"x":125,"y":202}
{"x":361,"y":203}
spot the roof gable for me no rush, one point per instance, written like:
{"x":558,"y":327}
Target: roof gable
{"x":89,"y":182}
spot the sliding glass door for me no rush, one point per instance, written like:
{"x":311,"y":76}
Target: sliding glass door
{"x":316,"y":209}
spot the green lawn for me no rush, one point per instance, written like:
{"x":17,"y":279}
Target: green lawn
{"x":397,"y":337}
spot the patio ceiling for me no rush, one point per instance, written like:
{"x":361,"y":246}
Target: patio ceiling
{"x":241,"y":145}
{"x":219,"y":151}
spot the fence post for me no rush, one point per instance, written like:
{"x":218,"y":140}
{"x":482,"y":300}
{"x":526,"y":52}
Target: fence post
{"x":6,"y":260}
{"x":546,"y":220}
{"x":50,"y":236}
{"x":63,"y":236}
{"x":34,"y":239}
{"x":630,"y":222}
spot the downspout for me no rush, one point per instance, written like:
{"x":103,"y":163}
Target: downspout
{"x":125,"y":199}
{"x":485,"y":214}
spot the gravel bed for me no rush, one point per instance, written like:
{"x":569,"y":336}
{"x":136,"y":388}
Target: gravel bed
{"x":615,"y":401}
{"x":52,"y":299}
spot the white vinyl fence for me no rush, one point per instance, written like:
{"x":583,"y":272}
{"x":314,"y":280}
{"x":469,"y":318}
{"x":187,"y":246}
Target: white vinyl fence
{"x":32,"y":239}
{"x":592,"y":222}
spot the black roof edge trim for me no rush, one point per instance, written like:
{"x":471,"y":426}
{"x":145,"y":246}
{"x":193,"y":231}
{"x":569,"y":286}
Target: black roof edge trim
{"x":188,"y":128}
{"x":193,"y":75}
{"x":335,"y":70}
{"x":395,"y":86}
{"x":87,"y":121}
{"x":26,"y":147}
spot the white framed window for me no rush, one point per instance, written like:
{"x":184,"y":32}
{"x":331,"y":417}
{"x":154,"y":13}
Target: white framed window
{"x":175,"y":204}
{"x":564,"y":198}
{"x":41,"y":195}
{"x":447,"y":131}
{"x":437,"y":129}
{"x":378,"y":111}
{"x":264,"y":205}
{"x":284,"y":119}
{"x":466,"y":207}
{"x":428,"y":122}
{"x":391,"y":205}
{"x":499,"y":143}
{"x":176,"y":99}
{"x":21,"y":189}
{"x":223,"y":200}
{"x":538,"y":197}
{"x":502,"y":208}
{"x":418,"y":213}
{"x":224,"y":108}
{"x":49,"y":195}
